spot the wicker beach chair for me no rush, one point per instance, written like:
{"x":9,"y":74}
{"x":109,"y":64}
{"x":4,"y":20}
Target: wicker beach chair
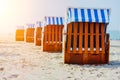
{"x":19,"y":34}
{"x":85,"y":37}
{"x":29,"y":33}
{"x":38,"y":34}
{"x":52,"y":38}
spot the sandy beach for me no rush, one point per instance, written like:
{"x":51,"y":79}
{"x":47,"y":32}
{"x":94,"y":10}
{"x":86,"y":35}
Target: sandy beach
{"x":25,"y":61}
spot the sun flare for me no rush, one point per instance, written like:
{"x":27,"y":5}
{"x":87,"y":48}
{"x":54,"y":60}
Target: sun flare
{"x":2,"y":5}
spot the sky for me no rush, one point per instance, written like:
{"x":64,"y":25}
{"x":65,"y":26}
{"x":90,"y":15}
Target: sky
{"x":20,"y":12}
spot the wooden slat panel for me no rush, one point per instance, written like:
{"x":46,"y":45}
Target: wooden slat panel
{"x":97,"y":38}
{"x":40,"y":33}
{"x":45,"y":34}
{"x":60,"y":27}
{"x":56,"y":34}
{"x":86,"y":37}
{"x":85,"y":55}
{"x":52,"y":33}
{"x":103,"y":37}
{"x":49,"y":33}
{"x":75,"y":36}
{"x":62,"y":33}
{"x":80,"y":36}
{"x":69,"y":36}
{"x":91,"y":38}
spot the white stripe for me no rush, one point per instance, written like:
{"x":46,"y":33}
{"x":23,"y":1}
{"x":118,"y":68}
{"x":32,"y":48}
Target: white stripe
{"x":59,"y":22}
{"x":67,"y":16}
{"x":47,"y":21}
{"x":99,"y":15}
{"x":92,"y":15}
{"x":86,"y":15}
{"x":73,"y":15}
{"x":79,"y":15}
{"x":55,"y":19}
{"x":106,"y":15}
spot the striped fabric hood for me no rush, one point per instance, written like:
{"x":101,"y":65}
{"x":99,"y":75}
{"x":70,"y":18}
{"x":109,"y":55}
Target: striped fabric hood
{"x":20,"y":27}
{"x":88,"y":15}
{"x":53,"y":21}
{"x":30,"y":25}
{"x":38,"y":24}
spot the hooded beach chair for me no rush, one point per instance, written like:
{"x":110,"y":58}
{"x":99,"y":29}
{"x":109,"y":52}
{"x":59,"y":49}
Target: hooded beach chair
{"x":85,"y":37}
{"x":29,"y":33}
{"x":52,"y":36}
{"x":19,"y":34}
{"x":38,"y":33}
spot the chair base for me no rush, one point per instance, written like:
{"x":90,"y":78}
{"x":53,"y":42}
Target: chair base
{"x":31,"y":40}
{"x":19,"y":38}
{"x":38,"y":43}
{"x":75,"y":58}
{"x":52,"y":47}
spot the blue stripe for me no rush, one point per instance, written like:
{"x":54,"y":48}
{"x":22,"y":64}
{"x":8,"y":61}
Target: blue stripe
{"x":89,"y":15}
{"x":108,"y":13}
{"x":49,"y":22}
{"x":39,"y":23}
{"x":45,"y":21}
{"x":103,"y":15}
{"x":83,"y":15}
{"x":53,"y":20}
{"x":61,"y":21}
{"x":96,"y":15}
{"x":57,"y":20}
{"x":76,"y":14}
{"x":70,"y":16}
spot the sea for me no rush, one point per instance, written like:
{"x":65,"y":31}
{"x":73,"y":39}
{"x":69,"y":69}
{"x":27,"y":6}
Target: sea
{"x":114,"y":35}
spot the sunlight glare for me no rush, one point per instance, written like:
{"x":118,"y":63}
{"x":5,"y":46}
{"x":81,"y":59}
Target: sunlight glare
{"x":2,"y":6}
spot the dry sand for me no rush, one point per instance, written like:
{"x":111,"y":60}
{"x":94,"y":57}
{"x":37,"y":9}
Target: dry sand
{"x":24,"y":61}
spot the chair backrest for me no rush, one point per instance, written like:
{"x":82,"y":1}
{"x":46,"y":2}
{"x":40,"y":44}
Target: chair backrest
{"x":84,"y":36}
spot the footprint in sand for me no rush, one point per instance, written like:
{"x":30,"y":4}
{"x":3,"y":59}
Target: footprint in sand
{"x":13,"y":76}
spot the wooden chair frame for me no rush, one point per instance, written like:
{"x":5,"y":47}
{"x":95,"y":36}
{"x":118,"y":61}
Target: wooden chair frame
{"x":86,"y":43}
{"x":38,"y":36}
{"x":19,"y":36}
{"x":52,"y":40}
{"x":29,"y":35}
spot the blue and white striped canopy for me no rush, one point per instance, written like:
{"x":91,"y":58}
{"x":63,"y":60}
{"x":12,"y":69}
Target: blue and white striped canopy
{"x":20,"y":27}
{"x":38,"y":24}
{"x":53,"y":21}
{"x":30,"y":25}
{"x":88,"y":15}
